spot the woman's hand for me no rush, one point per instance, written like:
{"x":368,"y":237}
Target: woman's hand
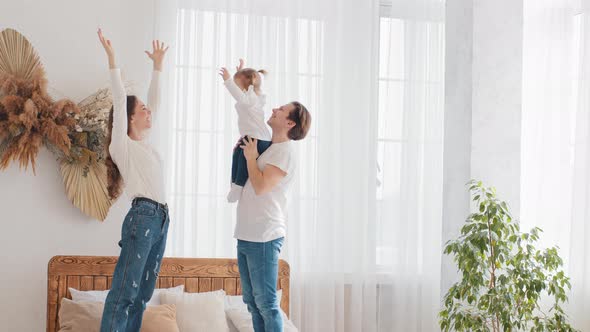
{"x":250,"y":148}
{"x":224,"y":73}
{"x":108,"y":48}
{"x":157,"y":54}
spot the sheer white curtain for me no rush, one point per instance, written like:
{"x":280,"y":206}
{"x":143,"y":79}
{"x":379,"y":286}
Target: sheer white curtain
{"x":364,"y":221}
{"x":579,"y":249}
{"x":555,"y":138}
{"x":409,"y":199}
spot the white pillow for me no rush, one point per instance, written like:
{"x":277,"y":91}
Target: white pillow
{"x":231,"y":326}
{"x":233,"y":301}
{"x":198,"y":312}
{"x":86,"y":316}
{"x":240,"y":318}
{"x":101,"y":296}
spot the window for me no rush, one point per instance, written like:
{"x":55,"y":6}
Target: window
{"x":410,"y":122}
{"x":204,"y":118}
{"x":410,"y":82}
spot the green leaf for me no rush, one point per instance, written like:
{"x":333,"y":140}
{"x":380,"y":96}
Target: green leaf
{"x":507,"y":285}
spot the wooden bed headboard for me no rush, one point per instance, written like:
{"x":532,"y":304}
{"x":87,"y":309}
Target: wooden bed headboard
{"x":197,"y":274}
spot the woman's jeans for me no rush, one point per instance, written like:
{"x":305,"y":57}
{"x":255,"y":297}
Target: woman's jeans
{"x":143,"y":240}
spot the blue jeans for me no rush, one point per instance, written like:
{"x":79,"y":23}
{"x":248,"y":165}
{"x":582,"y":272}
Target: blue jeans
{"x":259,"y":267}
{"x":239,"y":165}
{"x":143,"y":240}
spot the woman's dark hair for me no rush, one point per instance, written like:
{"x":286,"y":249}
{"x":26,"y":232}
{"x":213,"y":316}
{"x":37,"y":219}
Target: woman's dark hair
{"x":114,"y":179}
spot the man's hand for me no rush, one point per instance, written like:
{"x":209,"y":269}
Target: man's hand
{"x":238,"y":144}
{"x":250,"y":148}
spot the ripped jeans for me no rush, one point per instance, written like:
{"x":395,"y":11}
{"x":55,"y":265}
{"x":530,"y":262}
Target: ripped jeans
{"x":143,"y":240}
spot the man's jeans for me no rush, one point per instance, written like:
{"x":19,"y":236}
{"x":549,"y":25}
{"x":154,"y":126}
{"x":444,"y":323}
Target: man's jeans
{"x":259,"y":266}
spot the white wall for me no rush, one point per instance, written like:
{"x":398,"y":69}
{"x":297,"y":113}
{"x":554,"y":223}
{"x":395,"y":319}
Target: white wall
{"x":483,"y":107}
{"x":457,"y":139}
{"x":39,"y":221}
{"x":497,"y":96}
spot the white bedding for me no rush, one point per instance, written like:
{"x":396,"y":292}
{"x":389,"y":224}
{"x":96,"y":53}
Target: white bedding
{"x":236,"y":312}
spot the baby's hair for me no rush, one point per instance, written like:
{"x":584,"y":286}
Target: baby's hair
{"x":252,"y":76}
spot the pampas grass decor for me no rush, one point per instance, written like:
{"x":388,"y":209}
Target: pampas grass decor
{"x":29,"y":117}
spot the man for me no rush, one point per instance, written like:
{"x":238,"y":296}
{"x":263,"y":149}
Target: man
{"x":262,"y":213}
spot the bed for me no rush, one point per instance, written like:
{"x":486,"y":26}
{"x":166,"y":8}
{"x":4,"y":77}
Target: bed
{"x":196,"y":274}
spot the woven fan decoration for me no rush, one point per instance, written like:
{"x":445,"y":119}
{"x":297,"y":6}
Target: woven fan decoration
{"x":17,"y":55}
{"x":84,"y":171}
{"x":86,"y":186}
{"x":30,"y":118}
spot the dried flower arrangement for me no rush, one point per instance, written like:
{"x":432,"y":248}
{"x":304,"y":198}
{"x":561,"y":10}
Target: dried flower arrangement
{"x":83,"y":169}
{"x":30,"y":119}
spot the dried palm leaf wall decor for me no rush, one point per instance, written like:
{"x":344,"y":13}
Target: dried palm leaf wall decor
{"x":30,"y":118}
{"x":17,"y":55}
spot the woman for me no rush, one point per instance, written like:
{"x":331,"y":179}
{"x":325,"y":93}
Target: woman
{"x":136,"y":165}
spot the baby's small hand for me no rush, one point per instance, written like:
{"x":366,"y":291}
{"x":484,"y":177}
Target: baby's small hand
{"x":240,"y":66}
{"x":224,"y":73}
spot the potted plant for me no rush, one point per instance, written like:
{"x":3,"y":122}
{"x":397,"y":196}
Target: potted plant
{"x":503,"y":276}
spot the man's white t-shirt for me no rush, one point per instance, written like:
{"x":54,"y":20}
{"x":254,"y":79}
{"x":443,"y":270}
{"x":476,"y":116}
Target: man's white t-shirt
{"x":263,"y":218}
